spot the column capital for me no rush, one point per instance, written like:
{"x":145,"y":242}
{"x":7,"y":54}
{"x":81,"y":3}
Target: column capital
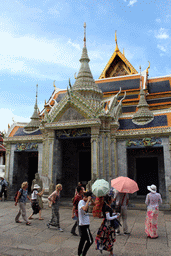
{"x":94,"y":138}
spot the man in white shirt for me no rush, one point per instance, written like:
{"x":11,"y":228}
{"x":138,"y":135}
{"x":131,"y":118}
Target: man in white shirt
{"x":122,"y":199}
{"x":84,"y":223}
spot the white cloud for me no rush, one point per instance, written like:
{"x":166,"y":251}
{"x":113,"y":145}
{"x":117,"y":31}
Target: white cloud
{"x":7,"y":115}
{"x":158,"y":20}
{"x":161,"y":34}
{"x":161,"y":47}
{"x":20,"y":54}
{"x":132,"y":2}
{"x":60,"y":10}
{"x":95,"y":55}
{"x":76,"y":46}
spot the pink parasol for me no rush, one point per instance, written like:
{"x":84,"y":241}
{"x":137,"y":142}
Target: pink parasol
{"x":124,"y":185}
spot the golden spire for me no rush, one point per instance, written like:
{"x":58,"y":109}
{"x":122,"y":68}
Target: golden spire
{"x":116,"y":49}
{"x":54,"y":84}
{"x":148,"y":67}
{"x":84,"y":34}
{"x":123,"y":52}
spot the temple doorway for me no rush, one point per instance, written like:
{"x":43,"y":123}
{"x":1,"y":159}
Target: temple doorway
{"x":146,"y":167}
{"x":25,"y":167}
{"x":147,"y":173}
{"x":76,"y":164}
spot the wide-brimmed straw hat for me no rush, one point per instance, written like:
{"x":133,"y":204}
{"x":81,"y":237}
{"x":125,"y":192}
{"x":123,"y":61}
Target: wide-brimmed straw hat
{"x":36,"y":186}
{"x":152,"y":188}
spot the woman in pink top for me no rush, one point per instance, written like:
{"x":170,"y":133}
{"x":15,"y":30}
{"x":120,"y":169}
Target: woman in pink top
{"x":153,"y":199}
{"x":54,"y":198}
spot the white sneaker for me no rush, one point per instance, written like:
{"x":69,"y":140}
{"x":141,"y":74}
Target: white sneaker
{"x":60,"y":229}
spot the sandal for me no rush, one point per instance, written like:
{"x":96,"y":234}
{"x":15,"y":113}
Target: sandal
{"x":41,"y":219}
{"x":30,"y":218}
{"x":18,"y":221}
{"x":28,"y":223}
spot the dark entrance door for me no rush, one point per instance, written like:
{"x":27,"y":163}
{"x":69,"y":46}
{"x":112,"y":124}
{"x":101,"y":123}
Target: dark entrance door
{"x":76,"y":164}
{"x":32,"y":167}
{"x":85,"y":166}
{"x":146,"y":167}
{"x":147,"y":173}
{"x":25,"y":167}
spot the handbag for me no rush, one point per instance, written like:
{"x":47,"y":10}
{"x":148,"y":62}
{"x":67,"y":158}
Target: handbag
{"x":116,"y":223}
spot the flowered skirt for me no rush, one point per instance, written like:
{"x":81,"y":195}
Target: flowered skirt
{"x":151,"y":222}
{"x":105,"y":236}
{"x":97,"y":209}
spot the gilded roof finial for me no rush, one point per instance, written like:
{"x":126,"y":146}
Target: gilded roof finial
{"x":116,"y":49}
{"x":84,"y":34}
{"x":123,"y":52}
{"x":148,"y":67}
{"x":54,"y":84}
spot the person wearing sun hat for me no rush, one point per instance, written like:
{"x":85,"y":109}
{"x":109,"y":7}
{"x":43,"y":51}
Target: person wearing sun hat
{"x":153,"y":200}
{"x":35,"y":205}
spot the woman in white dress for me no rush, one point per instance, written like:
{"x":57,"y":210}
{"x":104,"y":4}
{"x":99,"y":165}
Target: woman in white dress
{"x":153,"y":199}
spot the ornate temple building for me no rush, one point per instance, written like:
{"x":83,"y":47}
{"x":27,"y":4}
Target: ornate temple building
{"x":119,"y":124}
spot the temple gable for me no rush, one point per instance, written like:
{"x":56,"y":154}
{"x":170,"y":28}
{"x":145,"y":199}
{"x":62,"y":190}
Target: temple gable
{"x":71,"y":114}
{"x":118,"y":65}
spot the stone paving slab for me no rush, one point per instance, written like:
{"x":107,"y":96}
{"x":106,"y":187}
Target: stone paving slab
{"x":37,"y":239}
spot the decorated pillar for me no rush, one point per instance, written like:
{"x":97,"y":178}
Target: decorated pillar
{"x":114,"y":154}
{"x":7,"y":160}
{"x":102,"y":155}
{"x":107,"y":156}
{"x":57,"y":162}
{"x":170,"y":146}
{"x":48,"y":147}
{"x":114,"y":158}
{"x":95,"y":152}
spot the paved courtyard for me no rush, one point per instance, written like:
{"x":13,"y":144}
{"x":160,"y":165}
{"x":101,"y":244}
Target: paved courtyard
{"x":37,"y":239}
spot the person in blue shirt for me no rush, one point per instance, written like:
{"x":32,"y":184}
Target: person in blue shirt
{"x":21,"y":198}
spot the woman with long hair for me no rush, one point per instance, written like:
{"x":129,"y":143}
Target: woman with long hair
{"x":106,"y":234}
{"x":153,"y":199}
{"x":54,"y":198}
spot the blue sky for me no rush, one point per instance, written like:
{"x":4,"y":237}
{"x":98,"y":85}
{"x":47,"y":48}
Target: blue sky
{"x":41,"y":41}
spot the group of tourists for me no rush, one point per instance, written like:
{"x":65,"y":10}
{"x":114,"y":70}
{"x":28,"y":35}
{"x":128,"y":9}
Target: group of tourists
{"x":111,"y":207}
{"x":103,"y":207}
{"x":21,"y":199}
{"x":22,"y":196}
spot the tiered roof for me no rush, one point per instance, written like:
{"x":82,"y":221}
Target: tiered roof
{"x":153,"y":97}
